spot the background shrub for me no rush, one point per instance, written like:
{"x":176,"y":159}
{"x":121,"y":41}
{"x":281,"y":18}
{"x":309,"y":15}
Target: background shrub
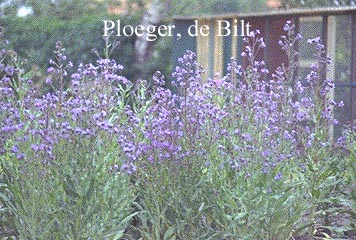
{"x":34,"y":37}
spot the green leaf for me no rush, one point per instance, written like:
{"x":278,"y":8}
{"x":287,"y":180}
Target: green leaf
{"x":315,"y":193}
{"x":168,"y":235}
{"x":201,"y":208}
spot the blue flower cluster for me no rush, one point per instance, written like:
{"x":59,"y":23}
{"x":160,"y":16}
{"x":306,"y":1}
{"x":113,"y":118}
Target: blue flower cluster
{"x":249,"y":116}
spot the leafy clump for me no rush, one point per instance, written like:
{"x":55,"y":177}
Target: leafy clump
{"x":247,"y":156}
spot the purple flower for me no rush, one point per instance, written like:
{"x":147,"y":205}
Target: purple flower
{"x":129,"y":168}
{"x":35,"y":147}
{"x":10,"y":71}
{"x":6,"y":80}
{"x":314,"y":40}
{"x":50,"y":69}
{"x":278,"y":177}
{"x":301,"y":116}
{"x":286,"y":27}
{"x":246,"y":136}
{"x":15,"y":149}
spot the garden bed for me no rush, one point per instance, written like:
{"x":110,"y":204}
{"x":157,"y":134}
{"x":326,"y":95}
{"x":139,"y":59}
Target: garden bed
{"x":100,"y":157}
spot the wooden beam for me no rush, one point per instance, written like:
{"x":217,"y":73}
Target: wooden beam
{"x":288,"y":13}
{"x":203,"y":47}
{"x":218,"y":54}
{"x":331,"y":52}
{"x":353,"y":68}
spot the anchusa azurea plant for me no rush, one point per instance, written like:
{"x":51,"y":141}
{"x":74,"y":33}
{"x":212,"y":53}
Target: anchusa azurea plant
{"x":246,"y":156}
{"x":253,"y":158}
{"x":58,"y":152}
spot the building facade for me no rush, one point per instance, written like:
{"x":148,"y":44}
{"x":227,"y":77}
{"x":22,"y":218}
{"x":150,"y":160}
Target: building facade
{"x":335,"y":26}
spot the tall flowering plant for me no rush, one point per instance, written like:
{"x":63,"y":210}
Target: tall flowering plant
{"x":246,"y":156}
{"x":250,"y":144}
{"x":57,"y":151}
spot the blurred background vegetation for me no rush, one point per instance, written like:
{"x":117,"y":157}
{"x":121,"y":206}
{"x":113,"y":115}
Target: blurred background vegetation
{"x":33,"y":26}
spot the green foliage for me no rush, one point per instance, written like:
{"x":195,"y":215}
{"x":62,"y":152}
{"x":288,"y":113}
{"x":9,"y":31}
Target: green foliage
{"x":160,"y":60}
{"x":256,"y":208}
{"x":65,"y":9}
{"x":233,"y":181}
{"x":172,"y":200}
{"x":61,"y":9}
{"x":349,"y":201}
{"x":322,"y":179}
{"x":75,"y":198}
{"x":34,"y":37}
{"x":200,"y":7}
